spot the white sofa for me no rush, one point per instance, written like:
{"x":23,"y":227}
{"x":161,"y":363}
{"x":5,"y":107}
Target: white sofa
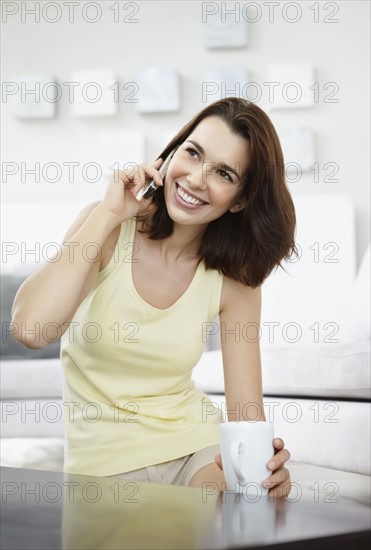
{"x":316,"y":389}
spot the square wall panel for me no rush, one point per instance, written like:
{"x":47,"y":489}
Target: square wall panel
{"x":93,"y":93}
{"x":224,"y":25}
{"x":119,"y":149}
{"x":221,"y":82}
{"x":158,"y":90}
{"x":289,"y":85}
{"x":298,"y":145}
{"x":35,"y":95}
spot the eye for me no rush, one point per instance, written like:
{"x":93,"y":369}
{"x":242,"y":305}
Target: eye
{"x":225,"y":175}
{"x":192,"y":152}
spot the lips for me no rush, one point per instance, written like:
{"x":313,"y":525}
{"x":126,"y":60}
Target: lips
{"x":188,"y":198}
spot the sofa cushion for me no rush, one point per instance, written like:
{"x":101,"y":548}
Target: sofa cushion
{"x":31,"y":378}
{"x":34,"y":417}
{"x":37,"y":453}
{"x":333,"y":370}
{"x":10,"y":349}
{"x":357,"y":312}
{"x":339,"y":370}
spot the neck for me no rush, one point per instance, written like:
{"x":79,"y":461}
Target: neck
{"x":183,"y":244}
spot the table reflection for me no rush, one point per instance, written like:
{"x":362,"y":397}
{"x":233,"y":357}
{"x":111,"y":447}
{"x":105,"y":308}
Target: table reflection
{"x":114,"y":513}
{"x":51,"y":510}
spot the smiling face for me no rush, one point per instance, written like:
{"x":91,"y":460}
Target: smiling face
{"x":204,"y":175}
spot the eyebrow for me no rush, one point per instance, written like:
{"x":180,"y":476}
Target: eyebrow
{"x":221,"y":165}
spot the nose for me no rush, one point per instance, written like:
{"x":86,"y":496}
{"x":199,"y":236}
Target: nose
{"x":196,"y":178}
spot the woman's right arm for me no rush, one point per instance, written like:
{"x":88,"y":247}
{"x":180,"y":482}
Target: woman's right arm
{"x":53,"y":293}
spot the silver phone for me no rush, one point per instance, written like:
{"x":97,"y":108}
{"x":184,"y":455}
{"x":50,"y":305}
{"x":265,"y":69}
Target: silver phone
{"x":147,"y":191}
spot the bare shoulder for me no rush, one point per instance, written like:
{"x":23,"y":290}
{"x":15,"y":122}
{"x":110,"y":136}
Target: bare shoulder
{"x":236,"y":295}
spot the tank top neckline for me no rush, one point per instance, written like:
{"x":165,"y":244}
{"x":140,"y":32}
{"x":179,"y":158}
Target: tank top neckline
{"x":135,"y":294}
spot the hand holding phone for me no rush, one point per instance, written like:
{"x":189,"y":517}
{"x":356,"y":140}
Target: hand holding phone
{"x":147,"y":191}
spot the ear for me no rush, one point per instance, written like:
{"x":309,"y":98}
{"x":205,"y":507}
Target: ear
{"x":238,"y":206}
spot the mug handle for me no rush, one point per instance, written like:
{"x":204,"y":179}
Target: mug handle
{"x":236,"y":448}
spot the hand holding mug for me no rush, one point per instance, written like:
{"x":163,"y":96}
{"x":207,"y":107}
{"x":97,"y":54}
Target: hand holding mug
{"x":250,"y":455}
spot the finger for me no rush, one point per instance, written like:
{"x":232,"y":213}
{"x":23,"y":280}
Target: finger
{"x":280,"y":476}
{"x":139,"y":174}
{"x":139,"y":181}
{"x":278,"y":443}
{"x":158,"y":163}
{"x":279,"y":459}
{"x":280,"y":491}
{"x":147,"y":173}
{"x":125,"y":176}
{"x":218,"y":460}
{"x":154,"y":171}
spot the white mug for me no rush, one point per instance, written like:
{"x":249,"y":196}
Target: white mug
{"x":246,"y":448}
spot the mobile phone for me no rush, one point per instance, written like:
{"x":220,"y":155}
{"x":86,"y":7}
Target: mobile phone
{"x":147,"y":191}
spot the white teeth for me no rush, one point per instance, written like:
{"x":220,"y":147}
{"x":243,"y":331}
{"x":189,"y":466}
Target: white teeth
{"x":188,"y":198}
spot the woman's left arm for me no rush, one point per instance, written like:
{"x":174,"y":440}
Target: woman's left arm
{"x":240,"y":342}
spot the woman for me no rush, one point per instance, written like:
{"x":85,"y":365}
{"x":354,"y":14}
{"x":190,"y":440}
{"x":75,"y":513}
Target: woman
{"x":135,"y":285}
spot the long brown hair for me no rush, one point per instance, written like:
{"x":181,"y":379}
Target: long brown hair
{"x":247,"y":245}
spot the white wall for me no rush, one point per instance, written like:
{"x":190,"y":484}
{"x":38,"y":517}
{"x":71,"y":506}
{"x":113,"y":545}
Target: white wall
{"x":169,"y":34}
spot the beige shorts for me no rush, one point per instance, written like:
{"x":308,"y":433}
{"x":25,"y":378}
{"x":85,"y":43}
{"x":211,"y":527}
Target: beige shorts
{"x":174,"y":472}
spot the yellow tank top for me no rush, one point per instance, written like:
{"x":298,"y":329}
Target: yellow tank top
{"x":129,"y":400}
